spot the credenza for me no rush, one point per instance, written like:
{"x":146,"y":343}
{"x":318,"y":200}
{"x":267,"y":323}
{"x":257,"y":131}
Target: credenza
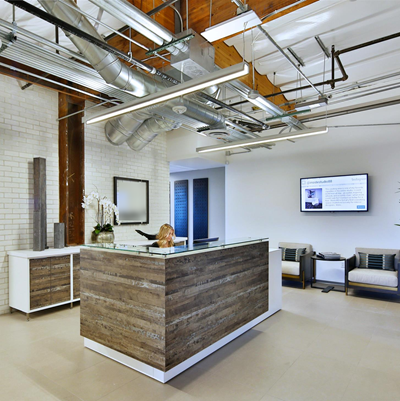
{"x":43,"y":279}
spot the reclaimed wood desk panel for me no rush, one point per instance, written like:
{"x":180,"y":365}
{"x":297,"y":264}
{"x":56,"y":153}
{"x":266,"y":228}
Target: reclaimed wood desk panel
{"x":163,"y":310}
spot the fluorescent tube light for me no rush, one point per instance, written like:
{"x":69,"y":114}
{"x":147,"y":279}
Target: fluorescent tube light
{"x":262,"y":103}
{"x":243,"y":21}
{"x":259,"y":141}
{"x":194,"y":85}
{"x":321,"y":101}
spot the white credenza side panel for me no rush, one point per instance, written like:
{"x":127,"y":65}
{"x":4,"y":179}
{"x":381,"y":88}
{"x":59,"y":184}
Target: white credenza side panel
{"x":19,"y":284}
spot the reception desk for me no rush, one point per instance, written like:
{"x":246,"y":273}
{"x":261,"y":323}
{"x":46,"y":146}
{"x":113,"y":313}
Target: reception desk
{"x":160,"y":311}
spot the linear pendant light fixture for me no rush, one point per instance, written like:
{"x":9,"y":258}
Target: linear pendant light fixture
{"x":194,"y":85}
{"x":260,"y":141}
{"x":243,"y":21}
{"x":262,"y":103}
{"x":321,"y":101}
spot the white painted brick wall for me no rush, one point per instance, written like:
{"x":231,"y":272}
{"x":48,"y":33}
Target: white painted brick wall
{"x":23,"y":137}
{"x":104,"y":161}
{"x":28,"y":129}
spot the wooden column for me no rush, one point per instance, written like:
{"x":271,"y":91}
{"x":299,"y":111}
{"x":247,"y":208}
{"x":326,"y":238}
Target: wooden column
{"x":40,"y":206}
{"x":71,"y":168}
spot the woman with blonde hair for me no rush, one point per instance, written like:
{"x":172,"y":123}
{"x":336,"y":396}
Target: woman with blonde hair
{"x":165,"y":237}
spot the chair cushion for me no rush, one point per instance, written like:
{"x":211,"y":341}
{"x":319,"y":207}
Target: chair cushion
{"x":375,"y":261}
{"x":292,"y":268}
{"x":378,"y":251}
{"x":308,"y":247}
{"x":374,"y":276}
{"x":292,"y":254}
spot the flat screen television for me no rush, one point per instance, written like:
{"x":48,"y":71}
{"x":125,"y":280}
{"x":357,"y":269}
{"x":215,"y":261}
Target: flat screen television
{"x":338,"y":193}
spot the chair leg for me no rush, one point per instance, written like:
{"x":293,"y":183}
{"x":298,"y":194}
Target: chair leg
{"x":304,"y":282}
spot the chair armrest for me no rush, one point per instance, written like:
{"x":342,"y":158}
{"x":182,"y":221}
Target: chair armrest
{"x":351,"y":264}
{"x":306,"y":257}
{"x":305,"y":263}
{"x":398,"y":276}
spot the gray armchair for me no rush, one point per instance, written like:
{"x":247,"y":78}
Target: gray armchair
{"x":300,"y":269}
{"x":371,"y":278}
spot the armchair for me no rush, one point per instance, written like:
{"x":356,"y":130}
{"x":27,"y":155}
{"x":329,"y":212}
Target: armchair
{"x":373,"y":269}
{"x":296,"y":265}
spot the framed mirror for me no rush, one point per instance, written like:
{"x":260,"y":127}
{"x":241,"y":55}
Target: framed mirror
{"x":131,"y":197}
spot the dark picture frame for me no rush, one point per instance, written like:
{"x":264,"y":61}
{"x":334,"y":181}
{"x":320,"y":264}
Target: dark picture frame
{"x":131,"y":196}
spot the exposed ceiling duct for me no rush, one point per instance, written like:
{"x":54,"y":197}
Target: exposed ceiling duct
{"x":125,"y":128}
{"x":188,"y":59}
{"x":138,"y":129}
{"x":113,"y":71}
{"x":238,"y":112}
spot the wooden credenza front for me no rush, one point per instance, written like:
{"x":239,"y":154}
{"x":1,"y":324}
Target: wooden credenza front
{"x":44,"y":279}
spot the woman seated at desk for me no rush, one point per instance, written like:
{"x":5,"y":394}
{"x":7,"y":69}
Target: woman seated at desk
{"x":165,"y":237}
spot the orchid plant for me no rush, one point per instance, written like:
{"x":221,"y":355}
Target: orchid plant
{"x":105,"y":211}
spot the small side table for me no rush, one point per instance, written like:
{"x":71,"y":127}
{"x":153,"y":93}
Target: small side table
{"x":327,"y":285}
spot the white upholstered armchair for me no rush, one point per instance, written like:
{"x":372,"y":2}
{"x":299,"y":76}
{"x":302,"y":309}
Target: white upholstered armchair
{"x":296,"y":261}
{"x":374,"y":269}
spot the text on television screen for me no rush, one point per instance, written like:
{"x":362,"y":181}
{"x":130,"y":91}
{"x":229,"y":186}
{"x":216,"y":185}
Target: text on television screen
{"x":341,"y":193}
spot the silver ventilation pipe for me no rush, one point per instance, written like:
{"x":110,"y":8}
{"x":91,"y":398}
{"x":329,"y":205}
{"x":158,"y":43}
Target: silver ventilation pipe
{"x":140,"y":127}
{"x":140,"y":22}
{"x":149,"y":130}
{"x":125,"y":127}
{"x":107,"y":65}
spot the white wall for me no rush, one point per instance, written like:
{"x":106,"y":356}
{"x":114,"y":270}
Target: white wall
{"x":104,"y":161}
{"x":216,"y":199}
{"x":28,"y":129}
{"x":263,"y":189}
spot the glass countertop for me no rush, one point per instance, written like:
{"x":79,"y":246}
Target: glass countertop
{"x":176,"y":249}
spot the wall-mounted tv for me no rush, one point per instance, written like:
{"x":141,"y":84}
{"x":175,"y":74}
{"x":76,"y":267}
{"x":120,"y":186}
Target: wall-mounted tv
{"x":338,"y":193}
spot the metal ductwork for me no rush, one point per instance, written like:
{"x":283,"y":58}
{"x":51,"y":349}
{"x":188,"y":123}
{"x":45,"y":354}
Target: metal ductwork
{"x":107,"y":65}
{"x":121,"y":129}
{"x":138,"y":128}
{"x":149,"y":130}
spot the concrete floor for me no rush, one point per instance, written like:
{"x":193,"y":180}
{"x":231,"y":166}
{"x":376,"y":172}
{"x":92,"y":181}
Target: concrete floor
{"x":318,"y":347}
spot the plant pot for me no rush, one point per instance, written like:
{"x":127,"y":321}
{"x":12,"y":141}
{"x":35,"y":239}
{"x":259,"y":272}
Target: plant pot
{"x":103,"y":237}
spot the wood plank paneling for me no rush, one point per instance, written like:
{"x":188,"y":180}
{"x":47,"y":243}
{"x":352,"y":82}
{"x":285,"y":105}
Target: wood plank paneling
{"x":123,"y":304}
{"x":162,"y":311}
{"x":60,"y":279}
{"x":40,"y":282}
{"x":210,"y":295}
{"x":76,"y":275}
